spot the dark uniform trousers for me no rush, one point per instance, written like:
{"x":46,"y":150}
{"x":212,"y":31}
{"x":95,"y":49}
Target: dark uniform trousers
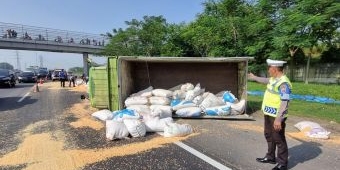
{"x":276,"y":139}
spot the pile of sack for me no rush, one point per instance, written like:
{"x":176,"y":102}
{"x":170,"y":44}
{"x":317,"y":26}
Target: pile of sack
{"x":151,"y":110}
{"x":187,"y":100}
{"x":122,"y":123}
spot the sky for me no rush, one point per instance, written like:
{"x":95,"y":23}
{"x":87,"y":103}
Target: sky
{"x":88,"y":16}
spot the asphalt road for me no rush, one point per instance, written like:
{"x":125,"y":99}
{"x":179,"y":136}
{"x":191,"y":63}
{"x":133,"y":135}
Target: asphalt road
{"x":218,"y":144}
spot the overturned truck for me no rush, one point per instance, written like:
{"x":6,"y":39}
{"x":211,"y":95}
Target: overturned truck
{"x":127,"y":75}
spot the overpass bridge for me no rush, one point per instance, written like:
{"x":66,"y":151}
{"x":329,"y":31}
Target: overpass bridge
{"x":23,"y":37}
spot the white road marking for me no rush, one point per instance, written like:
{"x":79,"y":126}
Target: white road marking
{"x":23,"y":97}
{"x":199,"y":155}
{"x":202,"y":156}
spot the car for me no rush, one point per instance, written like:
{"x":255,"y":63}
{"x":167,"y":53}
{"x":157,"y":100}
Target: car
{"x":42,"y":74}
{"x":7,"y":78}
{"x":55,"y":74}
{"x":27,"y":77}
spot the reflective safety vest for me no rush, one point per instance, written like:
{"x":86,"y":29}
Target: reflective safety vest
{"x":271,"y":100}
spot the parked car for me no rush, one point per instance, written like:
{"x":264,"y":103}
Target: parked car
{"x":7,"y":78}
{"x":27,"y":77}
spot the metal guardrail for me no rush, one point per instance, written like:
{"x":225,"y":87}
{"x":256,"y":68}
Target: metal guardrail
{"x":15,"y":32}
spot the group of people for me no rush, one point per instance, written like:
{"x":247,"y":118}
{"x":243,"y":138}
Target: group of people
{"x":87,"y":41}
{"x":10,"y":34}
{"x":58,"y":39}
{"x":27,"y":37}
{"x":64,"y":77}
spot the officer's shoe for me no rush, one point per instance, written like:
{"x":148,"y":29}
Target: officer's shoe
{"x":266,"y":160}
{"x":280,"y":167}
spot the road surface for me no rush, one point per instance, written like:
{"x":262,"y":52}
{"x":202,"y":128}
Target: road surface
{"x":53,"y":129}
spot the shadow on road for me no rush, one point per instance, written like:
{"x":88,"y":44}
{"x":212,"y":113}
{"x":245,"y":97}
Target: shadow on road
{"x":11,"y":103}
{"x":304,"y":152}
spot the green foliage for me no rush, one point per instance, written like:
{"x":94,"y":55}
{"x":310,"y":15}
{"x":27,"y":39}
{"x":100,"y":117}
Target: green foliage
{"x":6,"y":66}
{"x":145,"y":37}
{"x":331,"y":55}
{"x":76,"y":70}
{"x":281,"y":29}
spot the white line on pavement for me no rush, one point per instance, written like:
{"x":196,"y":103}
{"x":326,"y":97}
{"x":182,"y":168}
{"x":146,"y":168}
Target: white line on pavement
{"x":202,"y":156}
{"x":23,"y":97}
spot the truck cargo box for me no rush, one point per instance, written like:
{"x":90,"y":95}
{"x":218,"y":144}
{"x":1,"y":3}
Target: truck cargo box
{"x":128,"y":75}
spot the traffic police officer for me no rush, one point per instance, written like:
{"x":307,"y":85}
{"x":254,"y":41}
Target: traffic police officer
{"x":275,"y":109}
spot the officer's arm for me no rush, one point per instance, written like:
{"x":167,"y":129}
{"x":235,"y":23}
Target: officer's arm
{"x":262,"y":80}
{"x":285,"y":92}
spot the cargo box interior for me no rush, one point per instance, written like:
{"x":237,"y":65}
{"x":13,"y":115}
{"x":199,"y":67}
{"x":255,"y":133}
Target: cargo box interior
{"x":214,"y":75}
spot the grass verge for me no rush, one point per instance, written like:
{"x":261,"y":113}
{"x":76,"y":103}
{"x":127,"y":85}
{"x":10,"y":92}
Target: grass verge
{"x":329,"y":112}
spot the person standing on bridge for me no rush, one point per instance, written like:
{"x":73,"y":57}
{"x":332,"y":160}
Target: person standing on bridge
{"x":275,"y":109}
{"x":62,"y":77}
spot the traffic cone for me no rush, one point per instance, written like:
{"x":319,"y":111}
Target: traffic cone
{"x":36,"y":89}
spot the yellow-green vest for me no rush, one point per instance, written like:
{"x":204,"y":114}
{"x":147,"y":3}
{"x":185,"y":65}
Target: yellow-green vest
{"x":271,"y":100}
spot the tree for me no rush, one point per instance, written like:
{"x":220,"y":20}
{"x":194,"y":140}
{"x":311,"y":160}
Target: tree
{"x":144,"y":37}
{"x":152,"y":35}
{"x":76,"y":70}
{"x":201,"y":35}
{"x":302,"y":24}
{"x":221,"y":29}
{"x":6,"y":66}
{"x":314,"y":51}
{"x":259,"y":33}
{"x":175,"y":44}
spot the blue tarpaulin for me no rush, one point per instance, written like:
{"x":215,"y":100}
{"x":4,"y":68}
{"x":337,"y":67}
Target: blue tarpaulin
{"x":309,"y":98}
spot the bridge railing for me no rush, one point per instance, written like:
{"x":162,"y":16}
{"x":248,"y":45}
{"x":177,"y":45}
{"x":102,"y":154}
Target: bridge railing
{"x":17,"y":32}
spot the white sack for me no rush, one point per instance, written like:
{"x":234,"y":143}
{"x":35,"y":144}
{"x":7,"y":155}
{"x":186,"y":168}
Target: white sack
{"x":135,"y":127}
{"x":174,"y":130}
{"x":218,"y":110}
{"x":306,"y":125}
{"x":191,"y":94}
{"x":145,"y":93}
{"x":120,"y":115}
{"x":162,"y":93}
{"x":189,"y":112}
{"x":116,"y":130}
{"x":183,"y":104}
{"x":198,"y":100}
{"x":136,"y":100}
{"x":187,"y":86}
{"x":210,"y":101}
{"x":157,"y":125}
{"x":313,"y":130}
{"x":238,"y":108}
{"x":178,"y":94}
{"x":140,"y":109}
{"x":103,"y":115}
{"x":161,"y":111}
{"x":156,"y":100}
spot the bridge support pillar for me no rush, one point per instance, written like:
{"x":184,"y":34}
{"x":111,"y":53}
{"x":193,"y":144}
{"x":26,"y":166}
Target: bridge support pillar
{"x":86,"y":63}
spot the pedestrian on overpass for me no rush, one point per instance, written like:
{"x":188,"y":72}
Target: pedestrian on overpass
{"x":275,"y":109}
{"x":62,"y":77}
